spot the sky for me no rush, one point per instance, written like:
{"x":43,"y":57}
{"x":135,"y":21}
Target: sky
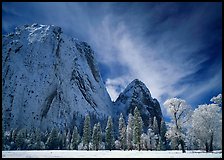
{"x":174,"y":48}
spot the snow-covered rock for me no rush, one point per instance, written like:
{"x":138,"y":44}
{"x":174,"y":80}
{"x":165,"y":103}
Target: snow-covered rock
{"x":49,"y":78}
{"x":137,"y":94}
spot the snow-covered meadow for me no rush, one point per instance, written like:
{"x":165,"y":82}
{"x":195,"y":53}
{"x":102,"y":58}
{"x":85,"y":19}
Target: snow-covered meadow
{"x":109,"y":154}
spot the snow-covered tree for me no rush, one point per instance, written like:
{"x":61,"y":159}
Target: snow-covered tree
{"x":52,"y":141}
{"x":63,"y":140}
{"x":75,"y":139}
{"x":60,"y":140}
{"x":44,"y":136}
{"x":122,"y":132}
{"x":101,"y":146}
{"x":159,"y":143}
{"x":137,"y":130}
{"x":109,"y":137}
{"x":155,"y":125}
{"x":163,"y":130}
{"x":180,"y":113}
{"x":38,"y":145}
{"x":86,"y":132}
{"x":6,"y":139}
{"x":129,"y":131}
{"x":117,"y":145}
{"x":152,"y":139}
{"x":96,"y":137}
{"x":68,"y":140}
{"x":206,"y":124}
{"x":32,"y":139}
{"x":20,"y":139}
{"x":144,"y":141}
{"x":80,"y":146}
{"x":217,"y":99}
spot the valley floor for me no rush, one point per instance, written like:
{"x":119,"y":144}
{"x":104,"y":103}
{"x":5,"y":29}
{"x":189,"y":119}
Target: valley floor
{"x":109,"y":154}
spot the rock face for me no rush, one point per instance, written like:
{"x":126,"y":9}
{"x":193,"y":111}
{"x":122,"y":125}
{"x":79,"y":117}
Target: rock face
{"x":137,"y":94}
{"x":48,"y":79}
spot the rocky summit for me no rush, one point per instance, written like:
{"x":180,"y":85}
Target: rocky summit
{"x":137,"y":94}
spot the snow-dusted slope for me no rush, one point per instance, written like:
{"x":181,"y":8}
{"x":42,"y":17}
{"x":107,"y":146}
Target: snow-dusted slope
{"x":49,"y":78}
{"x":137,"y":94}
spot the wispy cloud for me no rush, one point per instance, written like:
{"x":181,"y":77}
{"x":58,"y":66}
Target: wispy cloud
{"x":160,"y":65}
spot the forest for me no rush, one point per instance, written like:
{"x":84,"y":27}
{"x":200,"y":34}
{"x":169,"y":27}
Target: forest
{"x":198,"y":129}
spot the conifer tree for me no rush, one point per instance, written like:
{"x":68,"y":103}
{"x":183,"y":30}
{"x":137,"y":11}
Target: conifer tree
{"x":99,"y":133}
{"x":137,"y":128}
{"x":130,"y":131}
{"x":152,"y":139}
{"x":86,"y":132}
{"x":68,"y":140}
{"x":52,"y":141}
{"x":20,"y":139}
{"x":155,"y":125}
{"x":75,"y":139}
{"x":95,"y":137}
{"x":60,"y":140}
{"x":64,"y":140}
{"x":109,"y":139}
{"x":38,"y":144}
{"x":163,"y":131}
{"x":98,"y":137}
{"x":122,"y":132}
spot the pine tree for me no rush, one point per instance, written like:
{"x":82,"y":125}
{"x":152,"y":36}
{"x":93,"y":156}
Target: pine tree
{"x":45,"y":136}
{"x":64,"y":140}
{"x":10,"y":135}
{"x":20,"y":139}
{"x":130,"y":131}
{"x":60,"y":140}
{"x":151,"y":137}
{"x":75,"y":139}
{"x":99,"y":133}
{"x":86,"y":132}
{"x":38,"y":144}
{"x":32,"y":139}
{"x":137,"y":128}
{"x":95,"y":137}
{"x":109,"y":139}
{"x":163,"y":130}
{"x":14,"y":134}
{"x":122,"y":132}
{"x":144,"y":141}
{"x":68,"y":140}
{"x":155,"y":125}
{"x":150,"y":122}
{"x":52,"y":141}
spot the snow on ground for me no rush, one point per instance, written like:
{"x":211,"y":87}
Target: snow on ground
{"x":109,"y":154}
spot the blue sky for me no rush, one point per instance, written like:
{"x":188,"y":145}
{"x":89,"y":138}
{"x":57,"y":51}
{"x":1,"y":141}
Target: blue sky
{"x":174,"y":48}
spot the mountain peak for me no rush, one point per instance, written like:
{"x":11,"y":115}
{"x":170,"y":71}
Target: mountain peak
{"x":137,"y":94}
{"x":35,"y":26}
{"x":137,"y":86}
{"x":137,"y":82}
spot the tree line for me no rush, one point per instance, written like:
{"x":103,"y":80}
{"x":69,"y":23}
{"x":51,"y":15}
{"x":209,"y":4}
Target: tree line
{"x":130,"y":136}
{"x":189,"y":129}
